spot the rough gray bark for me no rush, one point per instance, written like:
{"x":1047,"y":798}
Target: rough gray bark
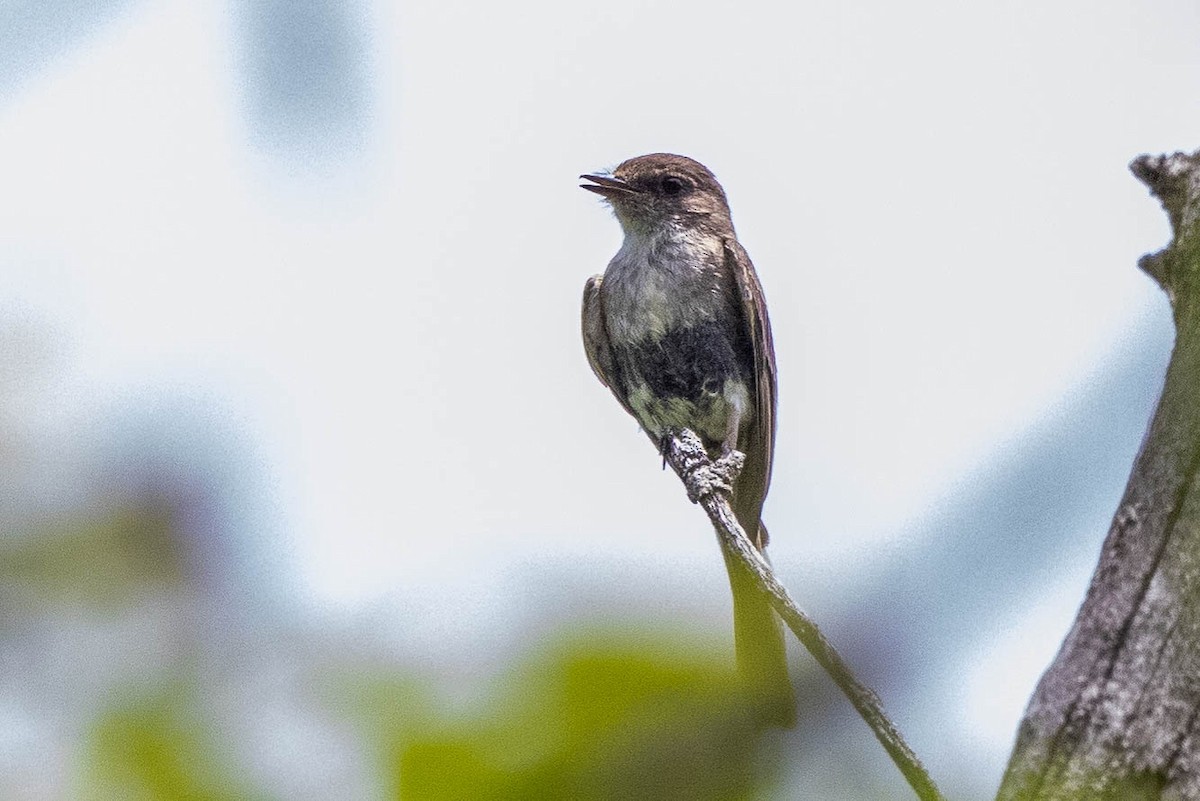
{"x":1117,"y":715}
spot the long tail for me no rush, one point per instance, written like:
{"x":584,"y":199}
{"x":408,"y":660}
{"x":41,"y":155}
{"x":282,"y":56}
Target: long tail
{"x":758,"y":636}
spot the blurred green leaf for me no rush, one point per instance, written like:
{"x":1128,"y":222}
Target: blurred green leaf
{"x":159,"y":748}
{"x":105,"y":561}
{"x":601,"y":716}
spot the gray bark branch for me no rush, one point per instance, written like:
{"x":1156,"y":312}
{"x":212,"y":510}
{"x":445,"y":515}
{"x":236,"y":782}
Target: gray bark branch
{"x":1117,"y":714}
{"x":708,"y":484}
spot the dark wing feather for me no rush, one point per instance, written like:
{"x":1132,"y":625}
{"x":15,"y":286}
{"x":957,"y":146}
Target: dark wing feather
{"x":758,"y":441}
{"x":762,"y":656}
{"x":595,"y":341}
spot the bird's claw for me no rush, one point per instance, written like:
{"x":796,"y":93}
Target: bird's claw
{"x":730,"y":465}
{"x":718,"y":476}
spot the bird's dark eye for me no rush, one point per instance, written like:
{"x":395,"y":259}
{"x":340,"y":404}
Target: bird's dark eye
{"x":672,"y":185}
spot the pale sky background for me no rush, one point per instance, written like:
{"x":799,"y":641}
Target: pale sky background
{"x":368,"y":293}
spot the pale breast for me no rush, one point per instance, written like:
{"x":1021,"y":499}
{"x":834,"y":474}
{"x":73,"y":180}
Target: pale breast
{"x":658,"y":282}
{"x":675,"y":335}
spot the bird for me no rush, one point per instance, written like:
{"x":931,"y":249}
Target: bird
{"x":677,"y":329}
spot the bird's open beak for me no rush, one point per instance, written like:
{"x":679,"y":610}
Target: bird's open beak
{"x":606,"y":185}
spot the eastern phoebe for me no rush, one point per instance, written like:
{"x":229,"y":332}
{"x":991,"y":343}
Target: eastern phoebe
{"x":677,"y":328}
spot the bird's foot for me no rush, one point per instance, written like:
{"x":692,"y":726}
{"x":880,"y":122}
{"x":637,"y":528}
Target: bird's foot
{"x":718,"y":476}
{"x":730,"y":464}
{"x":701,"y":474}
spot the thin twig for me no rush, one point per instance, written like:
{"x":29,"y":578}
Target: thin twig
{"x":708,"y":485}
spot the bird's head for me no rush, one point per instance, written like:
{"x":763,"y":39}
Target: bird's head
{"x":660,"y":189}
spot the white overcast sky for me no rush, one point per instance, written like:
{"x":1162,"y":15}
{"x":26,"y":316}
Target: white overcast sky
{"x":935,"y":195}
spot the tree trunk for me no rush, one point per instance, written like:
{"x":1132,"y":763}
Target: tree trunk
{"x":1117,"y":715}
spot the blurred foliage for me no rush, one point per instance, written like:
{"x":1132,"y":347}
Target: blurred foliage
{"x":94,"y":562}
{"x":601,"y":717}
{"x":159,"y":748}
{"x":624,"y":713}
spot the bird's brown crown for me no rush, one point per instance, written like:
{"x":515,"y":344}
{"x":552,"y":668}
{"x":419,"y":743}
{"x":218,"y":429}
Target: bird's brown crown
{"x":645,"y":190}
{"x":669,"y":175}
